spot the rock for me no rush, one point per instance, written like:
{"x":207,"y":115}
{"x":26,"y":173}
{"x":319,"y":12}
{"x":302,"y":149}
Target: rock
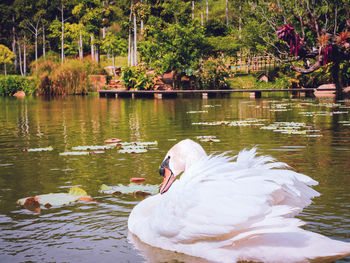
{"x":19,"y":94}
{"x":325,"y":91}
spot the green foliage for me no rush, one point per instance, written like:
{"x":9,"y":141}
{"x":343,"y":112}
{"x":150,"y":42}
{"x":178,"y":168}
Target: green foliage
{"x":53,"y":78}
{"x":280,"y":83}
{"x":114,"y":44}
{"x":6,"y":55}
{"x":136,"y":78}
{"x":212,"y":74}
{"x":224,"y":45}
{"x":9,"y":85}
{"x":175,"y":47}
{"x":215,"y":28}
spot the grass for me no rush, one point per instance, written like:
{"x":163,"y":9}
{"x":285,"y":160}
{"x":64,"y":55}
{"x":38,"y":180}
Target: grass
{"x":120,"y":61}
{"x":242,"y":82}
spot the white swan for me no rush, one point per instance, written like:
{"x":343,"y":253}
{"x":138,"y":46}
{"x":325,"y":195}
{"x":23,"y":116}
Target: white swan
{"x":230,"y":209}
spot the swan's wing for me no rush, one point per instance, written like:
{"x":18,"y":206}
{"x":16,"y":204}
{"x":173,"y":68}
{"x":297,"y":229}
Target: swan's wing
{"x":230,"y":201}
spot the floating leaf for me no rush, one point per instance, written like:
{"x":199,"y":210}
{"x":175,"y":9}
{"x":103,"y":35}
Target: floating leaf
{"x":77,"y":191}
{"x":208,"y":139}
{"x":112,"y":140}
{"x":137,"y":180}
{"x":74,"y":153}
{"x":97,"y":152}
{"x":247,"y":122}
{"x":133,"y":150}
{"x":54,"y":199}
{"x":198,"y":111}
{"x":129,"y":189}
{"x":39,"y":149}
{"x":91,"y":148}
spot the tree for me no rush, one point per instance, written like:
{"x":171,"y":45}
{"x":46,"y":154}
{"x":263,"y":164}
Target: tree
{"x":315,"y":33}
{"x":173,"y":47}
{"x":114,"y":44}
{"x":6,"y":56}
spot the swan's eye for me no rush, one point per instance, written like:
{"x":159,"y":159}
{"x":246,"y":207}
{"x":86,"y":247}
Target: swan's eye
{"x":161,"y":171}
{"x":165,"y":164}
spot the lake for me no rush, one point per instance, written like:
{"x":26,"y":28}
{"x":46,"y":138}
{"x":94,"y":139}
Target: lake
{"x":310,"y":135}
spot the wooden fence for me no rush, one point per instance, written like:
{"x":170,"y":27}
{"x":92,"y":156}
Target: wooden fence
{"x":246,"y":64}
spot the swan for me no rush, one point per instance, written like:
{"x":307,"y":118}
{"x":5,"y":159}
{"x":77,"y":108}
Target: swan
{"x":229,"y":209}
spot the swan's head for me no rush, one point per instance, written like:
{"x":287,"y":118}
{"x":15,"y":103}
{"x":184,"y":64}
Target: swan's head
{"x":181,"y":156}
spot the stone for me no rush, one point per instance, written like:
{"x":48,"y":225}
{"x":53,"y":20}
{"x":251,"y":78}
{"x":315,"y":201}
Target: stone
{"x":324,"y":92}
{"x":19,"y":94}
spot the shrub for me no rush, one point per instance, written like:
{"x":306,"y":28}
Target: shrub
{"x":212,"y":74}
{"x":10,"y":84}
{"x":71,"y":77}
{"x":137,"y":78}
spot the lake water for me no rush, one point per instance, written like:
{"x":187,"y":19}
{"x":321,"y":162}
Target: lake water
{"x":311,"y":136}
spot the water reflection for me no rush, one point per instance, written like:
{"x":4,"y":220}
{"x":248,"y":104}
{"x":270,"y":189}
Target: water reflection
{"x":91,"y":232}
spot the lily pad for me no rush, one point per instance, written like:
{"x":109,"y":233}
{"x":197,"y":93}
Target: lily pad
{"x":198,"y":111}
{"x":112,"y":140}
{"x":45,"y":149}
{"x":246,"y":122}
{"x":54,"y":199}
{"x":74,"y":153}
{"x":208,"y":139}
{"x":132,"y":188}
{"x":133,"y":150}
{"x":91,"y":148}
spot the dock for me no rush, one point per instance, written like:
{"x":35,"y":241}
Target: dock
{"x":159,"y":94}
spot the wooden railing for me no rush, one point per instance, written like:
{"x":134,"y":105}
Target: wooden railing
{"x":247,"y":64}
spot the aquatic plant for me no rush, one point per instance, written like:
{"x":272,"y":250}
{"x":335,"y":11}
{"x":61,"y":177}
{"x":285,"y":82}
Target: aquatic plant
{"x":70,"y":77}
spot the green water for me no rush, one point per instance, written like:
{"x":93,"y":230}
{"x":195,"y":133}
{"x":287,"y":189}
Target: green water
{"x":90,"y":232}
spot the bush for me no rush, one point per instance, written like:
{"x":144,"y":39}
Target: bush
{"x":71,"y":77}
{"x":137,"y":78}
{"x":212,"y":75}
{"x":10,"y":84}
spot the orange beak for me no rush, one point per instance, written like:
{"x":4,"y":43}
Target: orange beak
{"x":169,"y":178}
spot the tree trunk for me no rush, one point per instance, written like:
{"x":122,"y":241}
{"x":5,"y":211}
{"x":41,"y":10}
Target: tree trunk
{"x":14,"y":43}
{"x":44,"y":44}
{"x":207,"y":10}
{"x":240,"y":20}
{"x":92,"y":48}
{"x":36,"y":47}
{"x":130,"y":57}
{"x":81,"y":54}
{"x":24,"y":57}
{"x":129,"y":49}
{"x":62,"y":36}
{"x":192,"y":9}
{"x":113,"y":58}
{"x":97,"y":54}
{"x":202,"y":22}
{"x":141,"y":29}
{"x":227,"y":20}
{"x":36,"y":50}
{"x":135,"y":41}
{"x":20,"y":57}
{"x":5,"y":69}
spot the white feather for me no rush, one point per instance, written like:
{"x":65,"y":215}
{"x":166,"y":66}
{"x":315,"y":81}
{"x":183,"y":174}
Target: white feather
{"x":227,"y":209}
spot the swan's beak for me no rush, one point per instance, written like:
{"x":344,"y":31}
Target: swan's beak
{"x":168,"y":180}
